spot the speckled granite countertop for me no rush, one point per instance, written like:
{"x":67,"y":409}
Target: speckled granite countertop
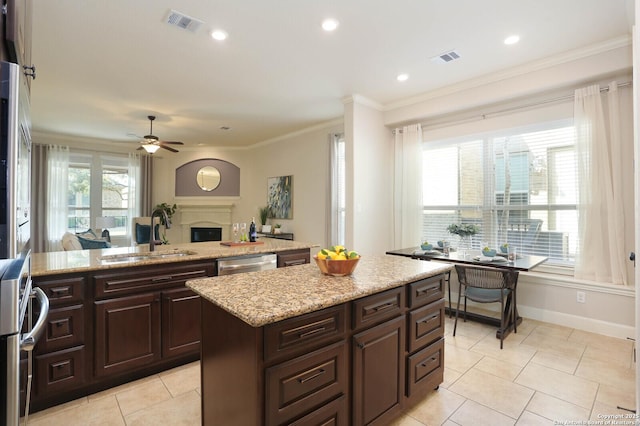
{"x":260,"y":298}
{"x":87,"y":260}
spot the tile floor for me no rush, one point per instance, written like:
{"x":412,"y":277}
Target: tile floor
{"x":546,"y":374}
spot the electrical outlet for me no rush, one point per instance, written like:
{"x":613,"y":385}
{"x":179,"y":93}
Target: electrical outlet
{"x":581,"y":297}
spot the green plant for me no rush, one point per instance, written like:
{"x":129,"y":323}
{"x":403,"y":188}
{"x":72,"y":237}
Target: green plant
{"x":264,"y":213}
{"x":278,"y":226}
{"x":170,"y":211}
{"x":464,"y":230}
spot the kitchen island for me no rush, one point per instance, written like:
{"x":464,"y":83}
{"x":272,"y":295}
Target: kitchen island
{"x":293,"y":346}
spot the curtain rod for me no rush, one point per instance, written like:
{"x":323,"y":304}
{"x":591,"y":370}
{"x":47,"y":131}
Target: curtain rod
{"x":511,"y":109}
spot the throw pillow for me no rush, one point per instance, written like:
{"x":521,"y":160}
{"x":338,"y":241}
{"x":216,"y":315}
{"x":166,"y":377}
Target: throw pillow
{"x":143,"y":231}
{"x":88,"y":234}
{"x":70,"y":242}
{"x":88,"y":243}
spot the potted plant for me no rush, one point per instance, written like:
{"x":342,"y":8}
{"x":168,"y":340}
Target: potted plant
{"x":464,"y":231}
{"x":264,"y":213}
{"x":170,"y":211}
{"x":277,"y":229}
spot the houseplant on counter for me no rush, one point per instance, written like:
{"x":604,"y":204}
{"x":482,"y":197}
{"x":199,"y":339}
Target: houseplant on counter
{"x":264,"y":213}
{"x":170,"y":211}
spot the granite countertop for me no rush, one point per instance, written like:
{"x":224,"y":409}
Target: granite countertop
{"x":90,"y":260}
{"x":261,"y":298}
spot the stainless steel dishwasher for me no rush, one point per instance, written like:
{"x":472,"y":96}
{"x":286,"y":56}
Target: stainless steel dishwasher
{"x":247,"y":263}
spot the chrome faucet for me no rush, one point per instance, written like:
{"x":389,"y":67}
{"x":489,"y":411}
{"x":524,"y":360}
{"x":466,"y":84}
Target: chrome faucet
{"x":152,"y":235}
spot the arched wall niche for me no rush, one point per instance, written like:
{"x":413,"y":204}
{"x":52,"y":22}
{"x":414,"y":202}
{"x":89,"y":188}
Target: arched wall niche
{"x":187,"y":179}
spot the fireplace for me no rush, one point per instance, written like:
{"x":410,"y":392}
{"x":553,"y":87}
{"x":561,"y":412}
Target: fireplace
{"x":206,"y":216}
{"x":201,"y":234}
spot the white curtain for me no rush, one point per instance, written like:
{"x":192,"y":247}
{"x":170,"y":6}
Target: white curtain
{"x":601,"y":255}
{"x":135,"y":192}
{"x":407,"y":212}
{"x":57,"y":184}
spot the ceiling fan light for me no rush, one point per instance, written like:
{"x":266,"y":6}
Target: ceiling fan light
{"x":151,"y":148}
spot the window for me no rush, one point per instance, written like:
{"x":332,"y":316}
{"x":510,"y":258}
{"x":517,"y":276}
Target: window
{"x":99,"y":185}
{"x":338,"y":194}
{"x":518,"y":186}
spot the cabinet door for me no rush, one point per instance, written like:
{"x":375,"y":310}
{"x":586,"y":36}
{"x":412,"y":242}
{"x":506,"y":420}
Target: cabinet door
{"x":127,"y":333}
{"x":180,"y":322}
{"x":378,"y":372}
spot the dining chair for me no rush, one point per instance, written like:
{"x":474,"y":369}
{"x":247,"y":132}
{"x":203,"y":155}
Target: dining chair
{"x":488,"y":285}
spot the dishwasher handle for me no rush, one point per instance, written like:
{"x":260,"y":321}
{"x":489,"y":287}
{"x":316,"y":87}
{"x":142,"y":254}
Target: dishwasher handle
{"x":239,"y":267}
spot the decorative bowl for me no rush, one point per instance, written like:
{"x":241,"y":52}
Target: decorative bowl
{"x":489,"y":253}
{"x":426,"y":247}
{"x":504,"y":249}
{"x":336,"y":268}
{"x":441,"y":243}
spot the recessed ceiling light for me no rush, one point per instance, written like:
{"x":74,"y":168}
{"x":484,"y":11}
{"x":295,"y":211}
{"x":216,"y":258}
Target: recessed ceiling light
{"x":329,"y":24}
{"x":512,"y":39}
{"x":219,"y":35}
{"x":402,"y":77}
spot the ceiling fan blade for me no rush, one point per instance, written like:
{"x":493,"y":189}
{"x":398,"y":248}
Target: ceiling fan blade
{"x":168,"y":148}
{"x":172,"y":142}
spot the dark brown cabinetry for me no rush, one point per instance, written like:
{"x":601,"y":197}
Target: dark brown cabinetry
{"x":16,"y":45}
{"x":293,"y":257}
{"x":59,"y":356}
{"x":359,"y":362}
{"x":108,"y":327}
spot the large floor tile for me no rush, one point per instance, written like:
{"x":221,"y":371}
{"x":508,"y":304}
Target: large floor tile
{"x":530,"y":419}
{"x":556,"y":409}
{"x":141,"y":397}
{"x":607,"y":373}
{"x":564,"y":386}
{"x":183,"y":410}
{"x":102,"y":412}
{"x":473,"y":414}
{"x":460,"y":360}
{"x":556,"y":360}
{"x":616,"y":396}
{"x":118,"y":389}
{"x":436,"y":407}
{"x":513,"y":353}
{"x":183,"y":380}
{"x":405,"y":420}
{"x":498,"y":368}
{"x":450,"y":377}
{"x":496,"y":393}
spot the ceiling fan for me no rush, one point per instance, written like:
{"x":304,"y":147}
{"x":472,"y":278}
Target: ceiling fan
{"x":152,"y":143}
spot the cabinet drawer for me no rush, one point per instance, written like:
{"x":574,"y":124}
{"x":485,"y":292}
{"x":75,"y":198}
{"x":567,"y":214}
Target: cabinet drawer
{"x":146,"y":279}
{"x":304,"y":333}
{"x":292,"y":258}
{"x":371,"y":310}
{"x":305,"y":383}
{"x":62,"y":291}
{"x":425,"y":369}
{"x":331,"y":414}
{"x":426,"y":324}
{"x":59,"y":371}
{"x":64,"y":329}
{"x":426,"y":291}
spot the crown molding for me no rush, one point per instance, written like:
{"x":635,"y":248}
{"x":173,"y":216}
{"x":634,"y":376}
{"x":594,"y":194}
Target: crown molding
{"x":362,"y":100}
{"x":548,"y":62}
{"x":314,"y":128}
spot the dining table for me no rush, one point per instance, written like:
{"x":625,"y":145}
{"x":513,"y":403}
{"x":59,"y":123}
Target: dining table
{"x":522,"y":263}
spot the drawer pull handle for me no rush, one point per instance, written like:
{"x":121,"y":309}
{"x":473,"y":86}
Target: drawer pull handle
{"x":361,"y":345}
{"x":165,"y":278}
{"x":381,"y":308}
{"x":60,"y":290}
{"x":428,"y":320}
{"x":312,"y":332}
{"x":427,"y":290}
{"x":424,"y":364}
{"x":314,"y":376}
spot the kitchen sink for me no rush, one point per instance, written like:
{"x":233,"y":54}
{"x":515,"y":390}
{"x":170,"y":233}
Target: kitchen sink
{"x":149,"y":255}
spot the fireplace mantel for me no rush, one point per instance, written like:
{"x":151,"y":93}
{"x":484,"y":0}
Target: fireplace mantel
{"x":211,"y":214}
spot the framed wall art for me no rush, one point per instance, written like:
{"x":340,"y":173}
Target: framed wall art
{"x":280,"y":197}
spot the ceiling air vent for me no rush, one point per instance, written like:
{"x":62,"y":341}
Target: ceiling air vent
{"x":183,"y":21}
{"x":443,"y":58}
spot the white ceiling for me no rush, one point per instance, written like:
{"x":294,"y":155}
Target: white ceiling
{"x":103,"y":66}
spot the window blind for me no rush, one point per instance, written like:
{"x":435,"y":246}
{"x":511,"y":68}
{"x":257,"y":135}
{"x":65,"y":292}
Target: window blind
{"x":517,"y":186}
